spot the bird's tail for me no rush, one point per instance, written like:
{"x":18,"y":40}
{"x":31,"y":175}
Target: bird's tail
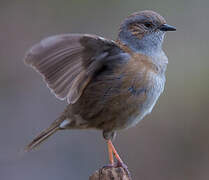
{"x":45,"y":134}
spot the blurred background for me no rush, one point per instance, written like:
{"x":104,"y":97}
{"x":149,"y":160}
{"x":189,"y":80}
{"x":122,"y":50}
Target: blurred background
{"x":171,"y":143}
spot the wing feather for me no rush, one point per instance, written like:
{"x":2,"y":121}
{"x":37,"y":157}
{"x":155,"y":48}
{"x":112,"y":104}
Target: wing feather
{"x":68,"y":62}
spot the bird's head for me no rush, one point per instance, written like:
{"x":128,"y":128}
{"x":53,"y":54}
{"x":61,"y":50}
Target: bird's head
{"x":144,"y":31}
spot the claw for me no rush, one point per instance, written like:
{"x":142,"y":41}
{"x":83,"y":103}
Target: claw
{"x":109,"y":166}
{"x":117,"y":165}
{"x":125,"y":167}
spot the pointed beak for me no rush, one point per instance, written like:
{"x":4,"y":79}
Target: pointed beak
{"x":166,"y":27}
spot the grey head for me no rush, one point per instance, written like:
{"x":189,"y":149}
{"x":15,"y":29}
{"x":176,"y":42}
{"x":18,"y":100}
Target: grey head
{"x":144,"y":32}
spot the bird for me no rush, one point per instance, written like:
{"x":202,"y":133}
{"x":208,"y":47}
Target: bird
{"x":109,"y":85}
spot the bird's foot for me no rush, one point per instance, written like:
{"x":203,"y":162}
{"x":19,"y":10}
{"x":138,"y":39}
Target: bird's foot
{"x":109,"y":166}
{"x":125,"y":167}
{"x":118,"y":164}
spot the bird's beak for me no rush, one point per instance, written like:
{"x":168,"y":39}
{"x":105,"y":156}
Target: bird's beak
{"x":166,"y":27}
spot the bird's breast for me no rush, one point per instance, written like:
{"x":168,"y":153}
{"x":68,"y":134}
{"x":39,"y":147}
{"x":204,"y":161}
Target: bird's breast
{"x":120,"y":98}
{"x":143,"y":90}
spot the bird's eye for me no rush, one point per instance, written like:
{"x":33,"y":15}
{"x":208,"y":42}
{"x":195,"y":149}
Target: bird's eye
{"x":148,"y":25}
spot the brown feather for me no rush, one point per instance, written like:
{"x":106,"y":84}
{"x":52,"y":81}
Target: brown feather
{"x":45,"y":134}
{"x":68,"y":62}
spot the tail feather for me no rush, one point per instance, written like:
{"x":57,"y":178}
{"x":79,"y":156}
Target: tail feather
{"x":44,"y":135}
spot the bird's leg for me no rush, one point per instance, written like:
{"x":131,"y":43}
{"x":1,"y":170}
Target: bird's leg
{"x":120,"y":162}
{"x":109,"y":135}
{"x":111,"y":146}
{"x":110,"y":152}
{"x":111,"y":158}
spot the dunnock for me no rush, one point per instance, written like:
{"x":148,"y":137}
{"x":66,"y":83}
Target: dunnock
{"x":109,"y":85}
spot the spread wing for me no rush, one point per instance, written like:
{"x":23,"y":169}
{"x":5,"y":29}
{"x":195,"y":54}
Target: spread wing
{"x":68,"y":62}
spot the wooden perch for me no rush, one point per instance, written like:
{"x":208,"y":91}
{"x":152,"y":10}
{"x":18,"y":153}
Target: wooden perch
{"x":112,"y":173}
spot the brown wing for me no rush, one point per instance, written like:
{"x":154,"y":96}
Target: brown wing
{"x":68,"y":62}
